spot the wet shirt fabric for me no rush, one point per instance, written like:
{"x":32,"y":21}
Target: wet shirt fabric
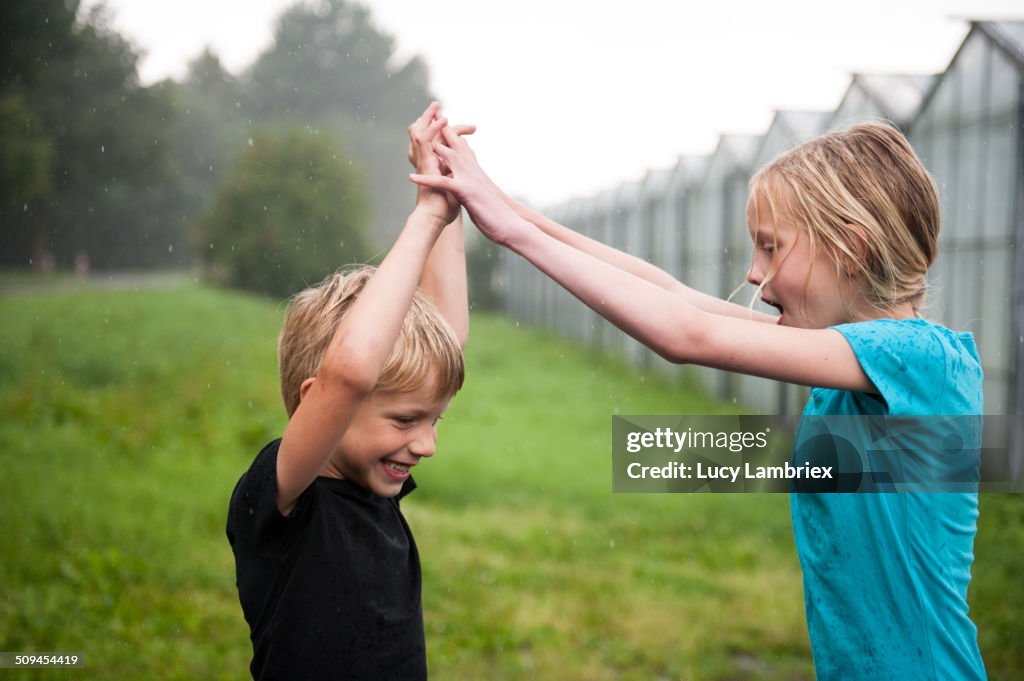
{"x":886,"y":574}
{"x":332,"y":591}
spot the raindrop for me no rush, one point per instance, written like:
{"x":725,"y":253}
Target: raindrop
{"x":170,"y":248}
{"x":103,"y":149}
{"x":250,"y":141}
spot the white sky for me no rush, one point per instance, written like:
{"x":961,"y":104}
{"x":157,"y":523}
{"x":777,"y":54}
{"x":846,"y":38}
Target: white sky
{"x":575,"y":96}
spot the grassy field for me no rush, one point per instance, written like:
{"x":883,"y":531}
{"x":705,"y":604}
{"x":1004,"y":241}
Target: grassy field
{"x":127,"y":416}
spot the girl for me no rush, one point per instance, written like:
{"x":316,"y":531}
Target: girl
{"x":844,"y":229}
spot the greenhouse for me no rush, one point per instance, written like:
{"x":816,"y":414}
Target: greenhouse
{"x":965,"y":123}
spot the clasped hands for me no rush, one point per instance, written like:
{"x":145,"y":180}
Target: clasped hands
{"x":448,"y":176}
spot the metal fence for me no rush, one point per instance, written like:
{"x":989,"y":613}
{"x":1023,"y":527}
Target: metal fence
{"x":967,"y":124}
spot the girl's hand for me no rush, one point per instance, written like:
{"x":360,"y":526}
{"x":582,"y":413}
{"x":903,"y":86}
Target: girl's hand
{"x":468,"y":183}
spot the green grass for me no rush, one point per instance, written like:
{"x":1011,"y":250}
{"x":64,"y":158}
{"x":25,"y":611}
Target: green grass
{"x":126,"y":418}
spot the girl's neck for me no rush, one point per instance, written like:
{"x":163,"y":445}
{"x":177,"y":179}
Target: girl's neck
{"x":867,"y":312}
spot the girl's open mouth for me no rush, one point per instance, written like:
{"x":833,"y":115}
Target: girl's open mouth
{"x":778,"y":307}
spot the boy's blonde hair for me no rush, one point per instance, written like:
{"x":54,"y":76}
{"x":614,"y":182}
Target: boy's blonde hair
{"x":426,"y":349}
{"x":866,"y":199}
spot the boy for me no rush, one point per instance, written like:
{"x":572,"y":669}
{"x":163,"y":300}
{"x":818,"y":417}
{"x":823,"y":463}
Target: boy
{"x":327,"y":570}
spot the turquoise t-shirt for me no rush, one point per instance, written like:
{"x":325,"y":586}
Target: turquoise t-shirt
{"x":886,"y":574}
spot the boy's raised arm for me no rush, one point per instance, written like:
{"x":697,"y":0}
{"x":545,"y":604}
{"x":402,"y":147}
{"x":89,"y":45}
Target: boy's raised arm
{"x":356,"y":354}
{"x":444,"y":279}
{"x":444,"y":275}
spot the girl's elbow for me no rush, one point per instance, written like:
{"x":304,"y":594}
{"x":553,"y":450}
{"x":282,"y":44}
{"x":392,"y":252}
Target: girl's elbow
{"x":675,"y":355}
{"x":681,"y":347}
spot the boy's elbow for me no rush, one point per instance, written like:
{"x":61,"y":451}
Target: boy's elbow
{"x":348,"y":375}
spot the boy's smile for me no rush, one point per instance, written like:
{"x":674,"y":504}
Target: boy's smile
{"x":389,"y":434}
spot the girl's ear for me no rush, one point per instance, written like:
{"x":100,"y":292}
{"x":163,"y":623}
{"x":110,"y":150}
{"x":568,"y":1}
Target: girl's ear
{"x":858,"y":246}
{"x":304,"y":388}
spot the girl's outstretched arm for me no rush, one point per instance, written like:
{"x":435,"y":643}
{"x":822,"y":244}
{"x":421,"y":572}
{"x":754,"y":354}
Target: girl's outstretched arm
{"x":634,"y":265}
{"x":674,"y":328}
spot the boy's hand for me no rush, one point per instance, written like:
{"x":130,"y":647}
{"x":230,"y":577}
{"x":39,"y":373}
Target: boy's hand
{"x":423,"y":133}
{"x":467,"y":182}
{"x":421,"y":142}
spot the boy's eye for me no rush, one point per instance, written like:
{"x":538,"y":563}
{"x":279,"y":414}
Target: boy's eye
{"x":404,"y":420}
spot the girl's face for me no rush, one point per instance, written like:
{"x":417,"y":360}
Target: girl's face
{"x":806,"y":289}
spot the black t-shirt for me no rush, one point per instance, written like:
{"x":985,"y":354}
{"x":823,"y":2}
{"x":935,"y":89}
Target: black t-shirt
{"x":332,"y":591}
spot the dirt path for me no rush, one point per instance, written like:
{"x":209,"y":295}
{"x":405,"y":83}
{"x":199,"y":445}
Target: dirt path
{"x":160,"y":279}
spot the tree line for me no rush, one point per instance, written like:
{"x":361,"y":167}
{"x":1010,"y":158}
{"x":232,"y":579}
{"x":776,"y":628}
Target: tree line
{"x":268,"y":178}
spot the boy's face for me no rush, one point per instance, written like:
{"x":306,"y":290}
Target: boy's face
{"x":390,"y":433}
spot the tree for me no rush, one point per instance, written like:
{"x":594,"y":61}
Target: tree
{"x":111,"y":151}
{"x":293,"y":210}
{"x":331,"y":68}
{"x":25,"y":179}
{"x":31,"y":34}
{"x":211,"y":130}
{"x":71,"y":82}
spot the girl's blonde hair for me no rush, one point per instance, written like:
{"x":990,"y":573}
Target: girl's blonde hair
{"x":426,"y":349}
{"x":866,"y":199}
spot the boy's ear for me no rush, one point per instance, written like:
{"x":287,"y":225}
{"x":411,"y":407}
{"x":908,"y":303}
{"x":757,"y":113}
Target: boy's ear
{"x":304,"y":388}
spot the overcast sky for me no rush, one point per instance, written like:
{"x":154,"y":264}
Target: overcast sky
{"x":575,"y":96}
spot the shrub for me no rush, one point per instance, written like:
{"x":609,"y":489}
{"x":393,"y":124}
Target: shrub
{"x":292,"y":211}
